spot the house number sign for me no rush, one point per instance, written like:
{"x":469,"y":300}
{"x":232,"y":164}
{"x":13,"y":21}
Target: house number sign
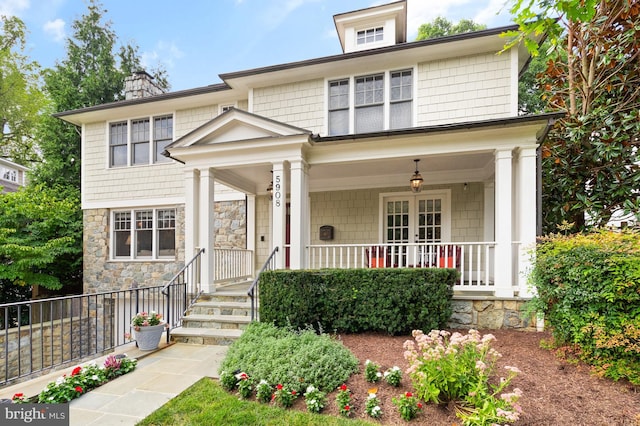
{"x":277,"y":190}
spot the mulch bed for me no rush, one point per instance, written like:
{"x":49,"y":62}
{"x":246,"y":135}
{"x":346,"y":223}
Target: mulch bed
{"x":555,"y":392}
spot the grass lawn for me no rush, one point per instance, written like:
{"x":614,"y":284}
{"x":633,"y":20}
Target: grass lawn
{"x":206,"y":403}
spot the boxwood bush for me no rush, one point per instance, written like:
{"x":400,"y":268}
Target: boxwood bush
{"x":589,"y":290}
{"x":394,"y":301}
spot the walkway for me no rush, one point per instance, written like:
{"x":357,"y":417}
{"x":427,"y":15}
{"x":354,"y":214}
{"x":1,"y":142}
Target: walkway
{"x":159,"y":376}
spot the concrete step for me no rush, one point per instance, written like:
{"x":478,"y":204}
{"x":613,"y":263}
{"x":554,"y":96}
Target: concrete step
{"x":225,"y":296}
{"x":216,"y":321}
{"x":221,"y":308}
{"x":205,"y":336}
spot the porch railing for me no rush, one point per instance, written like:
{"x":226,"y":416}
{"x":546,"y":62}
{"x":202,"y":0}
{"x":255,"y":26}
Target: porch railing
{"x":474,"y":260}
{"x":38,"y":335}
{"x":232,"y":264}
{"x":253,"y":289}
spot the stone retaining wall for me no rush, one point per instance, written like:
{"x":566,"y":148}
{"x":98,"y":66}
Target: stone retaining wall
{"x":490,"y":313}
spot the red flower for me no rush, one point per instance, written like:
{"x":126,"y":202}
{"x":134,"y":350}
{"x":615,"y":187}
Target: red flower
{"x":419,"y":406}
{"x":76,"y":371}
{"x":408,"y":394}
{"x":347,"y":407}
{"x":78,"y":389}
{"x":293,"y":392}
{"x":343,"y":387}
{"x":244,"y":376}
{"x":18,"y":395}
{"x":279,"y":386}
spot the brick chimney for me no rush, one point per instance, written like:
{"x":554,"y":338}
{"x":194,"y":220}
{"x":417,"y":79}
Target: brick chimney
{"x":140,"y":85}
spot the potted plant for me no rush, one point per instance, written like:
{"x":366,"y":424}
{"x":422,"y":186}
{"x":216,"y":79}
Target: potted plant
{"x":147,"y":329}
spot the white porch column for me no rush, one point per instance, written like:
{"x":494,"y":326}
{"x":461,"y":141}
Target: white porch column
{"x":503,"y":225}
{"x":526,"y":214}
{"x":191,"y":213}
{"x":279,"y":206}
{"x":299,"y":227}
{"x":251,"y":226}
{"x":207,"y":231}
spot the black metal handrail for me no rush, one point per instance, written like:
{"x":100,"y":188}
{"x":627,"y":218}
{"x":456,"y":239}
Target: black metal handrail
{"x":39,"y":335}
{"x":183,"y":291}
{"x":252,"y":292}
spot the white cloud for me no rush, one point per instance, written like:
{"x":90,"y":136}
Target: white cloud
{"x":13,"y":7}
{"x":55,"y":29}
{"x":495,"y":10}
{"x":165,"y":53}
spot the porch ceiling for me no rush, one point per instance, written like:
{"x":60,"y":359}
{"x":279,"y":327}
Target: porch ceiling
{"x":396,"y":172}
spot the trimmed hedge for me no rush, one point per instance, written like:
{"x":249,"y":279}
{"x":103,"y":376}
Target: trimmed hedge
{"x":589,"y":290}
{"x":395,"y":301}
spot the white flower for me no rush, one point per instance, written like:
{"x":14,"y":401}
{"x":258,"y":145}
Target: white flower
{"x":263,"y":382}
{"x":310,"y":389}
{"x":95,"y":377}
{"x":379,"y":374}
{"x":386,"y":373}
{"x":367,"y":362}
{"x":372,"y":395}
{"x":59,"y":380}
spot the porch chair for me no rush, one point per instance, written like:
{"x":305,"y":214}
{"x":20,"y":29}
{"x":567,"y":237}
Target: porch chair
{"x":448,"y":254}
{"x":378,"y":257}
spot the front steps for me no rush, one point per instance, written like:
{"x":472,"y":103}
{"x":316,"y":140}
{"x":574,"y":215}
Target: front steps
{"x":216,"y":319}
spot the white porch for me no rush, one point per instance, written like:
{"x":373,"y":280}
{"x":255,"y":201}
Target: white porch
{"x":349,"y":183}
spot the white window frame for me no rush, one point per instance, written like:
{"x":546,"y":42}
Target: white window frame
{"x":129,"y":144}
{"x":132,"y":237}
{"x":378,"y":36}
{"x":10,"y":175}
{"x":387,"y":97}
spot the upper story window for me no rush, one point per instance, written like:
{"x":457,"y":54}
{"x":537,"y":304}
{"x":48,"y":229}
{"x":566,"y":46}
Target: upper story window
{"x":137,"y":142}
{"x":370,"y":35}
{"x":9,"y":174}
{"x":377,"y":102}
{"x":144,"y":234}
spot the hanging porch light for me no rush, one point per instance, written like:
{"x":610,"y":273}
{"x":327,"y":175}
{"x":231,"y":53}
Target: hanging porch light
{"x":416,"y":180}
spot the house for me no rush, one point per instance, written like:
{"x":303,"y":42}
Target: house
{"x":12,"y":176}
{"x":392,"y":154}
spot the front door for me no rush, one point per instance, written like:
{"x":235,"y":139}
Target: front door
{"x":419,"y":218}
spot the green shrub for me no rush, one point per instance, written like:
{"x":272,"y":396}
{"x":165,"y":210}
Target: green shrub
{"x":588,"y":287}
{"x":394,"y":301}
{"x":294,"y":359}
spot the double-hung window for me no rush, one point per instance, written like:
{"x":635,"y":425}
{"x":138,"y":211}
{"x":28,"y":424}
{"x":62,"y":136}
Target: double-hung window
{"x":137,"y":142}
{"x":401,"y":100}
{"x":370,"y":103}
{"x":144,"y":234}
{"x":339,"y":107}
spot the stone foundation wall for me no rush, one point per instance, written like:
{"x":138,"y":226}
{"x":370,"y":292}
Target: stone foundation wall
{"x":490,"y":313}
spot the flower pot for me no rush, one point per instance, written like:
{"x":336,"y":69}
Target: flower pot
{"x":148,"y":337}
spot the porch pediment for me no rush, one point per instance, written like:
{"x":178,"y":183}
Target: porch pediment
{"x":236,"y":125}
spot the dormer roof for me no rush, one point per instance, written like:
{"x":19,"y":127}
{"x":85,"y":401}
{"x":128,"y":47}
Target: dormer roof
{"x":386,"y":23}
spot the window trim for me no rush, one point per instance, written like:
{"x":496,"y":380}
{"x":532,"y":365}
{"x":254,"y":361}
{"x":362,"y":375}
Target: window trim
{"x":132,"y":237}
{"x":387,"y":102}
{"x":128,"y":124}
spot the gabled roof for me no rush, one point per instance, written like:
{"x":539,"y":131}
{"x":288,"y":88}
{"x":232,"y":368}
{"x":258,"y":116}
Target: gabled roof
{"x":233,"y":125}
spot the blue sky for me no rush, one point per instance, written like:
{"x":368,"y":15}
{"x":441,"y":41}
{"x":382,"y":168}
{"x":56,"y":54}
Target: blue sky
{"x":196,"y":40}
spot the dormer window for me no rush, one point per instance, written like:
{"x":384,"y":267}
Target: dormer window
{"x":371,"y":35}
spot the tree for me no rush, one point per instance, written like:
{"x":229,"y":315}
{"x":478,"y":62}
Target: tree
{"x":441,"y":27}
{"x":21,"y":100}
{"x":38,"y":238}
{"x":591,"y":158}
